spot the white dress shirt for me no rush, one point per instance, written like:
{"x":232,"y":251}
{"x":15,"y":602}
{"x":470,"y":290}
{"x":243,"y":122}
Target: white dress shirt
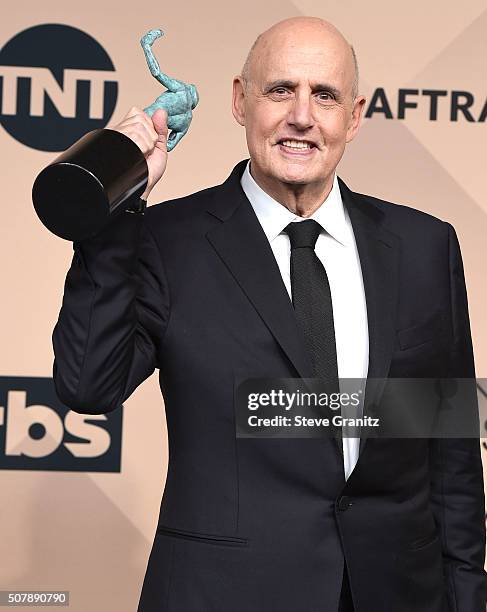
{"x":337,"y":251}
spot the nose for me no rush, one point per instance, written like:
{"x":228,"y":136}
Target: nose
{"x":300,"y":114}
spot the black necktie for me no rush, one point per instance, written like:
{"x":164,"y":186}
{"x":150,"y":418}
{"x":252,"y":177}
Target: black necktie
{"x":312,"y":303}
{"x":312,"y":299}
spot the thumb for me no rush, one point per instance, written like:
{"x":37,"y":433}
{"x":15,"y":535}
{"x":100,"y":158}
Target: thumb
{"x":159,"y":120}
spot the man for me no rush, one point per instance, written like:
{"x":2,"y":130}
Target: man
{"x":211,"y":289}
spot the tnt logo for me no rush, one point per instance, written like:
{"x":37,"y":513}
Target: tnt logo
{"x":56,"y":84}
{"x":37,"y":432}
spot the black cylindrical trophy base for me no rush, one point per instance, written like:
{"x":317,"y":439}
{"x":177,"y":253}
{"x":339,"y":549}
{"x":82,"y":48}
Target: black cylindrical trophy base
{"x":92,"y":180}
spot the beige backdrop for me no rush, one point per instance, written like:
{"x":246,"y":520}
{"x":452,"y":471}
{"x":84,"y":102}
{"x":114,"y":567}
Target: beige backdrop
{"x":91,"y":533}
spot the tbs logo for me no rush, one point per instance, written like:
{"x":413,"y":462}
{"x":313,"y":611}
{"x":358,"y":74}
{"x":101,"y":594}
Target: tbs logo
{"x":37,"y":432}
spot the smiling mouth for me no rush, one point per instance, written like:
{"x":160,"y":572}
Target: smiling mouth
{"x":296,"y":147}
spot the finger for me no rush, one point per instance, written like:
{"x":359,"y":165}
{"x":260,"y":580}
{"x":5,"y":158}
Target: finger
{"x":145,"y":147}
{"x":147,"y":126}
{"x":159,"y":120}
{"x":137,"y":132}
{"x":161,"y":143}
{"x":133,"y":112}
{"x":138,"y":114}
{"x":146,"y":129}
{"x":147,"y":120}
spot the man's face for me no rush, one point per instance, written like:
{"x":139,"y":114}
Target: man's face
{"x":298,"y":110}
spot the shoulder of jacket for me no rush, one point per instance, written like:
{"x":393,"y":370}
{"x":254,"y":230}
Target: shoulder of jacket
{"x":396,"y":213}
{"x":180,"y":207}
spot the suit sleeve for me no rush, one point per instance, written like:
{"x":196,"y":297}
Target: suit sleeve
{"x":113,"y":317}
{"x":457,"y":490}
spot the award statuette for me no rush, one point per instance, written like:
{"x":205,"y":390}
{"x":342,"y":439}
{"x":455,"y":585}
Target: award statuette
{"x":100,"y":173}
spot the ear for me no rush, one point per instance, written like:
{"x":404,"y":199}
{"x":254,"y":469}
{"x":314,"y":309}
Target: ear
{"x":238,"y":100}
{"x":356,"y":118}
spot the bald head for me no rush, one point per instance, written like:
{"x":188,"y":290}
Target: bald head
{"x":292,"y":29}
{"x":297,"y":98}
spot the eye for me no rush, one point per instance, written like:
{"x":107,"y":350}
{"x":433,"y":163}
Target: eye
{"x":279,"y":90}
{"x":325,"y":96}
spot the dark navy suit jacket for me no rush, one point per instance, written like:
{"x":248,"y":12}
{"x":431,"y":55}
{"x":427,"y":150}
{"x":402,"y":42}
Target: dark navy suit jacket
{"x":192,"y":289}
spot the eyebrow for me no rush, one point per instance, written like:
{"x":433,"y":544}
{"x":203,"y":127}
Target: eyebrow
{"x":291,"y":84}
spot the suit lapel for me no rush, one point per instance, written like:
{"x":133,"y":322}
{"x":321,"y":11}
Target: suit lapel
{"x":243,"y":247}
{"x":379,"y":259}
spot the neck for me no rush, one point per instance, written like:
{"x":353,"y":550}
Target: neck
{"x":302,"y":200}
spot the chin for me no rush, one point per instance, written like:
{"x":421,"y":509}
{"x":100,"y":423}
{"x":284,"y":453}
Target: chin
{"x":295,"y":177}
{"x":294,"y":181}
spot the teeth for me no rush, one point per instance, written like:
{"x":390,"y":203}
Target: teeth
{"x":296,"y":144}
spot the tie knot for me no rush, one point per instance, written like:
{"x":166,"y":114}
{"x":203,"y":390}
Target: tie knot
{"x":303,"y":233}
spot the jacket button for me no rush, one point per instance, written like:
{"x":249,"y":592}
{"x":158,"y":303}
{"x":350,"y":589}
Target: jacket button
{"x":344,"y":503}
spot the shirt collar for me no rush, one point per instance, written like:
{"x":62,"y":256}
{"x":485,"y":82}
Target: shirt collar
{"x":274,"y":217}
